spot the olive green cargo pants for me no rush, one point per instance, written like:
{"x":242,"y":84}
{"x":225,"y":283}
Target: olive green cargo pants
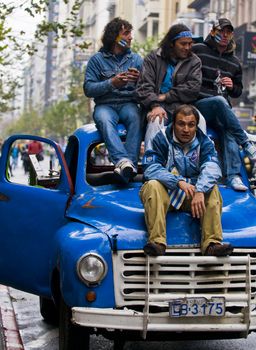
{"x":156,"y":201}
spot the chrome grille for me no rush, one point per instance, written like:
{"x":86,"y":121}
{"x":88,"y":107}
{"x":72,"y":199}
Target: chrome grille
{"x":184,"y":272}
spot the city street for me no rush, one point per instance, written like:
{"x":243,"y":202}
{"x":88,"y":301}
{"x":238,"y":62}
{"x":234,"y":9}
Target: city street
{"x":37,"y":335}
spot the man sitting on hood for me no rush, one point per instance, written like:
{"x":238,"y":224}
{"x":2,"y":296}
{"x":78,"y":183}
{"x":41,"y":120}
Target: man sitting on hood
{"x":181,"y":172}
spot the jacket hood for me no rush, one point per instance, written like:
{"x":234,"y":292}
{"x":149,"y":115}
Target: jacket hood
{"x":209,"y":41}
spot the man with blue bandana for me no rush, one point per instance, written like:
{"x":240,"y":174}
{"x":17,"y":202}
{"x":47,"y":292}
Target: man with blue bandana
{"x":181,"y":172}
{"x":222,"y":79}
{"x":171,"y":75}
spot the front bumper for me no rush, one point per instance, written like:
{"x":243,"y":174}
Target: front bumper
{"x":174,"y":276}
{"x":138,"y":321}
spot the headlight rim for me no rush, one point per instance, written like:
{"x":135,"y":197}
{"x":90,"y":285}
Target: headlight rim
{"x":104,"y":264}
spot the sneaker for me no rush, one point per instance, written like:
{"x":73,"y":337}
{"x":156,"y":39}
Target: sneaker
{"x":218,"y":249}
{"x":154,"y":249}
{"x":236,"y":183}
{"x":126,"y":169}
{"x":250,"y":150}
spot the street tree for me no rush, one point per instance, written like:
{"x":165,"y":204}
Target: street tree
{"x":13,"y":47}
{"x":29,"y":122}
{"x":62,"y":118}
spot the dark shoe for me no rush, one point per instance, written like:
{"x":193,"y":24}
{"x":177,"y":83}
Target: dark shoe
{"x":154,"y":249}
{"x":217,"y":249}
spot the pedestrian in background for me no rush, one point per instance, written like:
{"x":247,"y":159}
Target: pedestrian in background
{"x":35,"y":147}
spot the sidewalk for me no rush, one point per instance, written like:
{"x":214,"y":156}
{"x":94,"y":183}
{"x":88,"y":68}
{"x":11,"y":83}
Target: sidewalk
{"x":9,"y":332}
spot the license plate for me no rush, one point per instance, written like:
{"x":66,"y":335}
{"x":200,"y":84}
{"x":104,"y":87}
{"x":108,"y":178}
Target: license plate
{"x":194,"y":307}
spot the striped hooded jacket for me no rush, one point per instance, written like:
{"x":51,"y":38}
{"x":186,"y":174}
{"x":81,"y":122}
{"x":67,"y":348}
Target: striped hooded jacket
{"x":167,"y":162}
{"x":213,"y":62}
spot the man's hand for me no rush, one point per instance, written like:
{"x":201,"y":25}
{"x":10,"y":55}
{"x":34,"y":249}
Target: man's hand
{"x":119,"y":80}
{"x":161,"y":97}
{"x":132,"y":74}
{"x":227,"y":82}
{"x":157,"y":112}
{"x":198,"y":205}
{"x":187,"y":188}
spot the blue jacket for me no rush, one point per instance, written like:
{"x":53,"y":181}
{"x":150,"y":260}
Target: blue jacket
{"x":101,"y":68}
{"x":199,"y":164}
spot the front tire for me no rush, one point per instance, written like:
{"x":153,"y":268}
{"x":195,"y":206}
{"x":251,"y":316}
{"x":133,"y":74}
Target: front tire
{"x":71,"y":337}
{"x":48,"y":310}
{"x":118,"y":344}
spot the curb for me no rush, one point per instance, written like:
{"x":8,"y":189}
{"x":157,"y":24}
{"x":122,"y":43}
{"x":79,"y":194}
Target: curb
{"x":10,"y":331}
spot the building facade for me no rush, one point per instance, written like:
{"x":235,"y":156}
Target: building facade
{"x":50,"y":70}
{"x":242,"y":14}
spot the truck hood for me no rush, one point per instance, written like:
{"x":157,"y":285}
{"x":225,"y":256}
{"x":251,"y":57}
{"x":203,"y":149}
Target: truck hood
{"x":118,"y":212}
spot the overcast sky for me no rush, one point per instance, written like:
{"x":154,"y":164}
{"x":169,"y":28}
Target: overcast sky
{"x":21,"y":20}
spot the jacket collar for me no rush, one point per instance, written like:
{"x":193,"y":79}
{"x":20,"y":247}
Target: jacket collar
{"x":108,"y":54}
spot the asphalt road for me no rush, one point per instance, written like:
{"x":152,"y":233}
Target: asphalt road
{"x":37,"y":335}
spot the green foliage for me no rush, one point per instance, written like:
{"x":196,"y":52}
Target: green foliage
{"x":59,"y":120}
{"x":144,"y":48}
{"x":70,"y":27}
{"x":65,"y":116}
{"x":29,"y":122}
{"x":13,"y":48}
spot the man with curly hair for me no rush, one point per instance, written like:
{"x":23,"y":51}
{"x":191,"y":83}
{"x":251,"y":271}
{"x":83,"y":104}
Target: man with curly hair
{"x":110,"y":78}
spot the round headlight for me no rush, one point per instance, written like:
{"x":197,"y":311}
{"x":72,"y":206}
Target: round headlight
{"x":91,"y":268}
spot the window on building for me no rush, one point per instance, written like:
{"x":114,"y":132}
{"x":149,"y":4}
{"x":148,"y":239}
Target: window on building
{"x":177,"y":7}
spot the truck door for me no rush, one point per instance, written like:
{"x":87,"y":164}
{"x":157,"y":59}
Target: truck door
{"x":33,"y":199}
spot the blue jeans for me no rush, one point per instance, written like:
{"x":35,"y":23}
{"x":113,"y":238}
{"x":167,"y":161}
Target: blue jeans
{"x":107,"y":117}
{"x":220,"y":117}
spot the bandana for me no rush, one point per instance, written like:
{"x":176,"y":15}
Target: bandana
{"x":218,"y":36}
{"x":186,"y":34}
{"x":121,"y":41}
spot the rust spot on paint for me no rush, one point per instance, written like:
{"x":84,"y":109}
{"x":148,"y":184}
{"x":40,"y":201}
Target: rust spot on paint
{"x":3,"y":197}
{"x":88,"y":204}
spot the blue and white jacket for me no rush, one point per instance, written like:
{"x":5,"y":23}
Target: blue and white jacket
{"x":101,"y":68}
{"x":167,"y":162}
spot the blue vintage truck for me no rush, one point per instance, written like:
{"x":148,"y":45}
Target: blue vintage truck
{"x":74,"y":236}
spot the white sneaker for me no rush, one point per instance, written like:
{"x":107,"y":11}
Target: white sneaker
{"x":250,"y":150}
{"x":126,"y":169}
{"x":236,"y":183}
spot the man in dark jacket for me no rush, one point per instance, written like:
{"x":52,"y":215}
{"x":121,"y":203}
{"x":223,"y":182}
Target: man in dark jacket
{"x":222,"y":79}
{"x":171,"y":76}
